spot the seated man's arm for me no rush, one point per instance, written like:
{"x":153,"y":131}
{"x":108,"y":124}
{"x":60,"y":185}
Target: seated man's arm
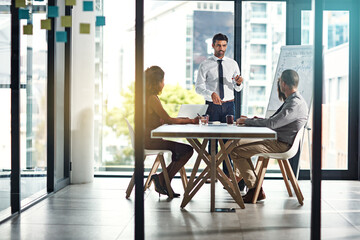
{"x":288,"y":114}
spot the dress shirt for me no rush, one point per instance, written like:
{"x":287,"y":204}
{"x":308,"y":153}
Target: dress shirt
{"x":208,"y":78}
{"x":286,"y":122}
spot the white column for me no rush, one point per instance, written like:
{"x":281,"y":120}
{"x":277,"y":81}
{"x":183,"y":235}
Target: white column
{"x":82,"y":97}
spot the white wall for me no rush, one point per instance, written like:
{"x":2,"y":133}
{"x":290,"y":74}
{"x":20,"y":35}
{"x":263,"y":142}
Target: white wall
{"x":82,"y":97}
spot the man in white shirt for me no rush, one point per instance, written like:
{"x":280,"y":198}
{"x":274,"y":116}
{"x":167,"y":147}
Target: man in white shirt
{"x":218,"y":77}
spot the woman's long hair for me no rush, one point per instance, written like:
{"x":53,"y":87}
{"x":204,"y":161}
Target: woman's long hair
{"x":153,"y":75}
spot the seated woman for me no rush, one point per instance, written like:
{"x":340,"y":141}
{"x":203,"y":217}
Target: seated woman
{"x":155,"y":117}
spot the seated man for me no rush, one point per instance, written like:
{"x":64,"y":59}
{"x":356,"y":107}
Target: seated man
{"x":286,"y":121}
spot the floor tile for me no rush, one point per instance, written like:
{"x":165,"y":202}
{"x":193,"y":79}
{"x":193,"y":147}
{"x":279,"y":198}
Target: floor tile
{"x":99,"y":210}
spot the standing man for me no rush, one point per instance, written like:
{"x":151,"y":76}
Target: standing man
{"x":218,"y":77}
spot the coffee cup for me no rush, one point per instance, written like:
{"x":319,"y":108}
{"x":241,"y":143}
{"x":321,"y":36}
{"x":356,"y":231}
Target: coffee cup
{"x":230,"y":119}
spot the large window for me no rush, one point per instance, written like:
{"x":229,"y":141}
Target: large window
{"x":177,"y":48}
{"x":263,"y":30}
{"x":179,"y":51}
{"x":335,"y":89}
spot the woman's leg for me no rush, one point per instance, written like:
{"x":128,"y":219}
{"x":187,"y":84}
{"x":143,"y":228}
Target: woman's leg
{"x":181,"y":153}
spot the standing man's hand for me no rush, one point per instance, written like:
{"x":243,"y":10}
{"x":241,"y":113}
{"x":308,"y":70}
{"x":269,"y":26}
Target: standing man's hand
{"x":238,"y":79}
{"x":215,"y":98}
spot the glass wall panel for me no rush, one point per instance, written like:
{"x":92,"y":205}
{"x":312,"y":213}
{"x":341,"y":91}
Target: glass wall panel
{"x":5,"y":120}
{"x":114,"y":86}
{"x":263,"y":34}
{"x":177,"y":48}
{"x":180,"y":50}
{"x":100,"y":58}
{"x":33,"y":116}
{"x":335,"y":88}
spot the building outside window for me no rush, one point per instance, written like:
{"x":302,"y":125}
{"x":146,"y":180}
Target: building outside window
{"x":258,"y":10}
{"x":258,"y":30}
{"x":258,"y":72}
{"x":335,"y":88}
{"x":258,"y":51}
{"x":262,"y":39}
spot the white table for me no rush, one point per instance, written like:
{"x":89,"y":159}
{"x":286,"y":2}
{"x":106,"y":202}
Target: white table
{"x":211,"y":132}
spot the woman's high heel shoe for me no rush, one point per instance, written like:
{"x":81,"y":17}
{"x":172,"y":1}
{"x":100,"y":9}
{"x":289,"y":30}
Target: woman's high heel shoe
{"x":176,"y":195}
{"x":158,"y":187}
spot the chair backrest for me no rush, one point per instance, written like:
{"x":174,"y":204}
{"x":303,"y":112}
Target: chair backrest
{"x":146,"y":151}
{"x":289,"y":153}
{"x":131,"y":133}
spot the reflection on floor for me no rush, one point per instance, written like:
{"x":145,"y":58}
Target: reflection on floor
{"x":100,"y":211}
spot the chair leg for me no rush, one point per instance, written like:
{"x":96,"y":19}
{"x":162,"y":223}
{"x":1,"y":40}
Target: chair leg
{"x":293,"y":181}
{"x":297,"y":184}
{"x":258,"y":165}
{"x":183,"y":176}
{"x":283,"y":172}
{"x":153,"y":170}
{"x":130,"y":186}
{"x":166,"y":176}
{"x":261,"y":176}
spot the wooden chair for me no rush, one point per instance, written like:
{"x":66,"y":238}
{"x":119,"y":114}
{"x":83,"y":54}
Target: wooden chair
{"x":159,"y":160}
{"x":286,"y":170}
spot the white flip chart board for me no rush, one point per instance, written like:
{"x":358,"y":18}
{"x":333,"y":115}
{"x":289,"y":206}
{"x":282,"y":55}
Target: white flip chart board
{"x":300,"y":59}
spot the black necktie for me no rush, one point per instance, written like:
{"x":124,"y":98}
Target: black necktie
{"x":279,"y":109}
{"x":221,"y":80}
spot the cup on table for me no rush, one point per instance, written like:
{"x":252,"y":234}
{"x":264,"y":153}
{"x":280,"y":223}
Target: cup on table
{"x":204,"y":120}
{"x":230,"y":119}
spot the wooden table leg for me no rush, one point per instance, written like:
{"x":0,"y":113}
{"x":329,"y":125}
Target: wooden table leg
{"x":192,"y":183}
{"x":213,"y":175}
{"x":235,"y":186}
{"x":213,"y":170}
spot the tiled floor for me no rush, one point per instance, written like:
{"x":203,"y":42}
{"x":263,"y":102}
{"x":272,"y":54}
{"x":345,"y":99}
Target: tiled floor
{"x":100,"y":211}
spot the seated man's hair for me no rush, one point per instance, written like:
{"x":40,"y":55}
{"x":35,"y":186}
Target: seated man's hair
{"x":291,"y":78}
{"x":281,"y":95}
{"x":219,"y":37}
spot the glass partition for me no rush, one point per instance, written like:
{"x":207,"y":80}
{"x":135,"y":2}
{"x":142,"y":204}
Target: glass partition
{"x":177,"y":49}
{"x":114,"y":88}
{"x":5,"y":120}
{"x":335,"y":89}
{"x":263,"y":34}
{"x":33,"y":108}
{"x":180,"y":50}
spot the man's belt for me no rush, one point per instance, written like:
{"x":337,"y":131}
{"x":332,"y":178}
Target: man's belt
{"x":228,"y":101}
{"x":208,"y":102}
